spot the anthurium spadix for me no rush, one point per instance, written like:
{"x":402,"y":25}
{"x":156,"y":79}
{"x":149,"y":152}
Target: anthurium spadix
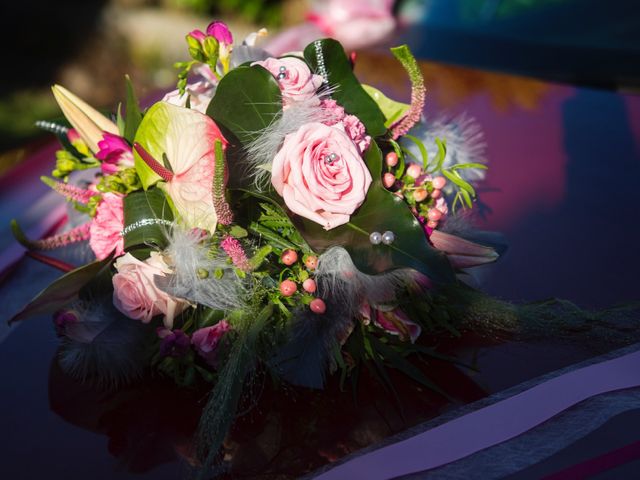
{"x":175,"y":148}
{"x":87,"y":121}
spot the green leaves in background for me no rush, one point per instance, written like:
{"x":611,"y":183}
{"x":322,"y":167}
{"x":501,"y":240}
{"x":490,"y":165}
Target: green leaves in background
{"x":247,"y":100}
{"x":63,"y":290}
{"x":392,"y":110}
{"x":147,"y":207}
{"x":349,"y":93}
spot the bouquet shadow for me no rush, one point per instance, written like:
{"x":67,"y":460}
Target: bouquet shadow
{"x":278,"y":433}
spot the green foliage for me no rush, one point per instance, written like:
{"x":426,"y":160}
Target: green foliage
{"x":147,"y":206}
{"x":62,"y":291}
{"x":392,"y":110}
{"x":349,"y":92}
{"x":247,"y":100}
{"x":133,"y":116}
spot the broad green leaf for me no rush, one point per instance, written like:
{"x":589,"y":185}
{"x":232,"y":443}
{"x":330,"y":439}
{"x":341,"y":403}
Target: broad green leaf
{"x":62,"y":291}
{"x":380,"y":212}
{"x":133,"y":116}
{"x":392,"y":110}
{"x":348,"y":90}
{"x":247,"y":100}
{"x":152,"y":212}
{"x":182,"y":141}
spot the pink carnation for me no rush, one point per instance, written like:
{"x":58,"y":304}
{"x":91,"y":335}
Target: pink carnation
{"x":334,"y":112}
{"x":114,"y":152}
{"x":206,"y":340}
{"x":355,"y":129}
{"x":135,"y":292}
{"x":106,"y":227}
{"x":296,"y":81}
{"x":320,"y":174}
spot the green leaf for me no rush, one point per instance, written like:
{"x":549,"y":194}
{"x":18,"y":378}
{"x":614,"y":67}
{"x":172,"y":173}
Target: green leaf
{"x":348,"y":90}
{"x":62,"y":291}
{"x":133,"y":116}
{"x":459,"y":166}
{"x":421,"y":148}
{"x":150,"y":206}
{"x":247,"y":100}
{"x":380,"y":212}
{"x":392,"y":110}
{"x":400,"y":363}
{"x":457,"y":180}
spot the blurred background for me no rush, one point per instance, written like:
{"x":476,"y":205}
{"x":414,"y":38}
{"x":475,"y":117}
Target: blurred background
{"x":88,"y":45}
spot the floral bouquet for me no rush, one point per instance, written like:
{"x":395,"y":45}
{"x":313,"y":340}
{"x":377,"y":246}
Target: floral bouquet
{"x":271,"y":215}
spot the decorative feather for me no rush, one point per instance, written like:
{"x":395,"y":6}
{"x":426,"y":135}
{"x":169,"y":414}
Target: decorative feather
{"x":194,"y":276}
{"x":103,"y":346}
{"x":465,"y":143}
{"x":305,"y":359}
{"x":261,"y":151}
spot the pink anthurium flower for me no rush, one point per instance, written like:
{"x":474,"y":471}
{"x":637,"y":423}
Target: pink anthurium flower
{"x":178,"y":146}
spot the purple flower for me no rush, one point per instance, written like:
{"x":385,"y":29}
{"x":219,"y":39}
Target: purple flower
{"x":63,"y":318}
{"x":206,"y":340}
{"x":220,"y":32}
{"x":174,"y":343}
{"x":114,"y":152}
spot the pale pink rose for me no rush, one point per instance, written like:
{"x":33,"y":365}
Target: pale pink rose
{"x":199,"y":95}
{"x":355,"y":129}
{"x":396,"y":322}
{"x":296,"y":81}
{"x":320,"y":174}
{"x":206,"y":340}
{"x":135,"y":293}
{"x":106,"y":227}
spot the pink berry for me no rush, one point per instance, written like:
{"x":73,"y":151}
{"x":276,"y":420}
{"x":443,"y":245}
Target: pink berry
{"x":420,"y":194}
{"x":317,"y":305}
{"x":388,"y":179}
{"x":434,"y":214}
{"x":289,"y":257}
{"x":414,"y":170}
{"x":392,"y":159}
{"x":309,"y":285}
{"x":436,"y":193}
{"x":288,"y":288}
{"x":432,"y":224}
{"x":439,"y":183}
{"x":311,"y":262}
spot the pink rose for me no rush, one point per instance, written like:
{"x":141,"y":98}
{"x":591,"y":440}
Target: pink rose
{"x":297,"y":83}
{"x":206,"y":340}
{"x":320,"y":174}
{"x":106,"y":227}
{"x":135,"y":293}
